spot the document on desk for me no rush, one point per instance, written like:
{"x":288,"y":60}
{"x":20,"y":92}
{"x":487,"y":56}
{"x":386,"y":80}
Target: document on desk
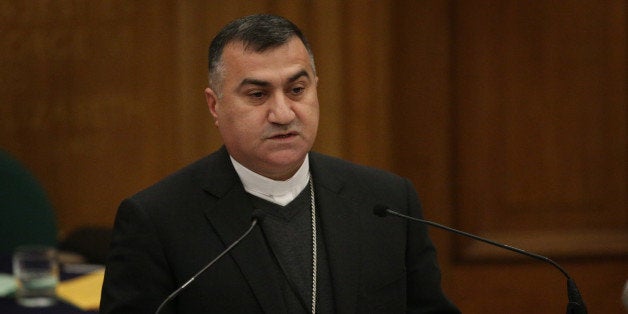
{"x":84,"y":291}
{"x":7,"y":285}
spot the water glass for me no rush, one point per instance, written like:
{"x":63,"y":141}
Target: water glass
{"x":36,"y":270}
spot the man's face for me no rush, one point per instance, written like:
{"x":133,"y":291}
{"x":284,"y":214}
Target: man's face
{"x":268,"y":113}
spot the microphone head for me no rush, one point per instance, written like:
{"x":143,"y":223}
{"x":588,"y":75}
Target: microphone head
{"x":380,"y":210}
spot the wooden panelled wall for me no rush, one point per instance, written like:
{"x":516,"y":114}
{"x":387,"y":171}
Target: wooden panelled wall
{"x":512,"y":121}
{"x":509,"y":116}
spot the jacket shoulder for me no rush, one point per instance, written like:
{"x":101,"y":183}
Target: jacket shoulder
{"x":344,"y":169}
{"x":190,"y":180}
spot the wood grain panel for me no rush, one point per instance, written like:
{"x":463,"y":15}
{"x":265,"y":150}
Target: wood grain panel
{"x":326,"y":37}
{"x":80,"y":98}
{"x":541,"y":123}
{"x":367,"y":61}
{"x":510,"y":117}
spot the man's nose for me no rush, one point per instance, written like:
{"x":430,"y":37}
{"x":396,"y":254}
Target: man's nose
{"x":281,"y":110}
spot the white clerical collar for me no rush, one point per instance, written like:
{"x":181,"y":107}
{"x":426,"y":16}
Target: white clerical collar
{"x":278,"y":192}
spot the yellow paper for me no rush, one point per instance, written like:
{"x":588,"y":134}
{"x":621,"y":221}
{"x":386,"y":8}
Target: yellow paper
{"x":84,"y":291}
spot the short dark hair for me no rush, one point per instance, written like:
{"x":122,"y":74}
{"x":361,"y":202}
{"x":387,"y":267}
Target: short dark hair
{"x":258,"y":32}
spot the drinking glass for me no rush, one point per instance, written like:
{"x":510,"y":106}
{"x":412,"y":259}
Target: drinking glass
{"x":36,"y":270}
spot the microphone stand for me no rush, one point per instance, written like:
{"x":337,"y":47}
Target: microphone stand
{"x":575,"y":303}
{"x":176,"y":292}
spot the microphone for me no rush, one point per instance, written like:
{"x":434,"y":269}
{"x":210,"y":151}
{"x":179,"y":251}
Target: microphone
{"x":575,"y":303}
{"x":256,"y":216}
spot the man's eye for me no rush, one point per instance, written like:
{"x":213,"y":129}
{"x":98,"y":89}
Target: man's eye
{"x":256,"y":94}
{"x":297,"y":90}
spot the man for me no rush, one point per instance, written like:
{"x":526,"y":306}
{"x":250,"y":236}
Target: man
{"x":318,"y":246}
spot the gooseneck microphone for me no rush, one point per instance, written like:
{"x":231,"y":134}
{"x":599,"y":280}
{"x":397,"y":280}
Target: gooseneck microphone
{"x":256,"y":217}
{"x":575,"y":303}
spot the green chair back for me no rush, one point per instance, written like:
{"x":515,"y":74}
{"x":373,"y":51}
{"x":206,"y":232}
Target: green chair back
{"x":26,"y":215}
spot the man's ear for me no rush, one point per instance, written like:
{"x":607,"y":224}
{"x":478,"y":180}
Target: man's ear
{"x":212,"y":102}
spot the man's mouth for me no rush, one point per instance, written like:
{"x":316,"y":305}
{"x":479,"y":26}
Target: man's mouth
{"x":282,"y":136}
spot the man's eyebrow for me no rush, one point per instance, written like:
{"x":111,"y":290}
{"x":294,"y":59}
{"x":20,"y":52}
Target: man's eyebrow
{"x":252,"y":81}
{"x":262,"y":83}
{"x":298,"y":75}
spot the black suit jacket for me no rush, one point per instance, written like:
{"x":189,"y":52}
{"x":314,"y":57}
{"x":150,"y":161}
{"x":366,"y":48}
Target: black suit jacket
{"x":166,"y":233}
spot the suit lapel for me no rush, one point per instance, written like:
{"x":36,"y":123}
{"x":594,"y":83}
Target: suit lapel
{"x":230,"y":217}
{"x":341,"y":230}
{"x":340,"y":222}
